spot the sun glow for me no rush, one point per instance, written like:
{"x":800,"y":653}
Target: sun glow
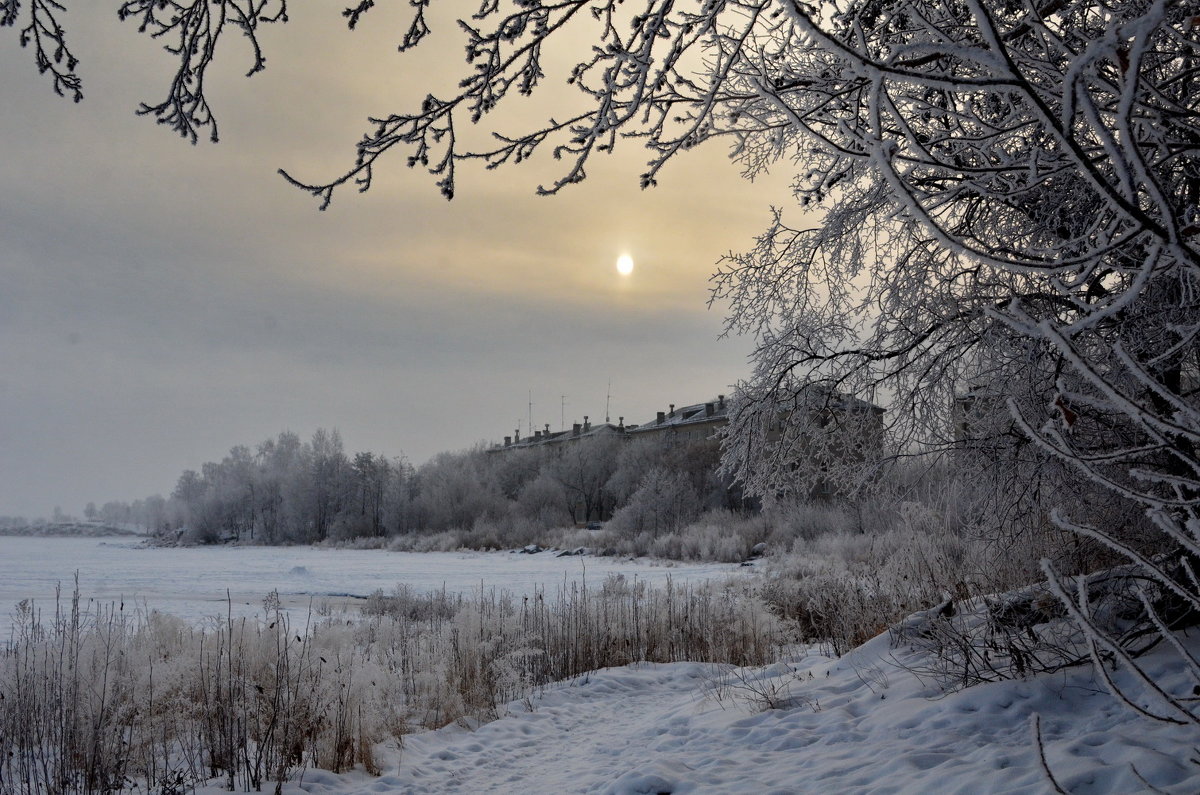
{"x":624,"y":264}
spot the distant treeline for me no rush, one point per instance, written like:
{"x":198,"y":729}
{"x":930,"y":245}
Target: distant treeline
{"x":285,"y":490}
{"x":20,"y":526}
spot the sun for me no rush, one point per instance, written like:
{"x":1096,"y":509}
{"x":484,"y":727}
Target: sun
{"x":624,"y":264}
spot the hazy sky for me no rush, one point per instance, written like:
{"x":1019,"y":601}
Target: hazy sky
{"x":161,"y":302}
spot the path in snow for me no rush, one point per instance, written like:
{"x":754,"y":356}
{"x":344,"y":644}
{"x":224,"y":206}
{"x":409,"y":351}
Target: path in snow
{"x":856,"y":725}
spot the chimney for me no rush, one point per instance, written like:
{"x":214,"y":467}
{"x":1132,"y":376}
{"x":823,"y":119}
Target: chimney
{"x":575,"y":429}
{"x":547,"y":433}
{"x":661,"y":418}
{"x":587,"y":426}
{"x":721,"y":404}
{"x":672,"y":409}
{"x":517,"y":436}
{"x":507,"y":441}
{"x":708,"y":409}
{"x":621,"y":423}
{"x":537,"y":434}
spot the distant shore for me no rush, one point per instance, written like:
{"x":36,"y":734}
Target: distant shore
{"x":87,"y":529}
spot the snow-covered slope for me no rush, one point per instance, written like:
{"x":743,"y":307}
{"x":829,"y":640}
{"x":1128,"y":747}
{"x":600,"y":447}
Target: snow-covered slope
{"x":861,"y":724}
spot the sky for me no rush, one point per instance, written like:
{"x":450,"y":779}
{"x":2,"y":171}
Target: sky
{"x":162,"y":302}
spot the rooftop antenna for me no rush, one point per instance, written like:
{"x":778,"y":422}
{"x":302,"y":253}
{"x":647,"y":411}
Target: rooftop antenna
{"x":531,"y":411}
{"x":607,"y":400}
{"x":562,"y":416}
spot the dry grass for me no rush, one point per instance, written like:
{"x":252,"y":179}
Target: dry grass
{"x":110,"y":699}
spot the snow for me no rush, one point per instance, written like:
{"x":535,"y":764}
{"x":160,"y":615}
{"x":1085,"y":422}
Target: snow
{"x":191,"y":582}
{"x":810,"y":723}
{"x":861,"y":724}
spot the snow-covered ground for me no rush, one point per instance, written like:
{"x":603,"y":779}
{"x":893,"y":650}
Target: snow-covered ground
{"x":861,"y":724}
{"x":809,"y":724}
{"x":191,"y":582}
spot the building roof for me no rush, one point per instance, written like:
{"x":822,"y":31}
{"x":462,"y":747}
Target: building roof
{"x":694,"y":416}
{"x":715,"y":412}
{"x":542,"y":438}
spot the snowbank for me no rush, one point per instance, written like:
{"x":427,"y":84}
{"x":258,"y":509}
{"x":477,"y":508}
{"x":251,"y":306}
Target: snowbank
{"x":860,"y":724}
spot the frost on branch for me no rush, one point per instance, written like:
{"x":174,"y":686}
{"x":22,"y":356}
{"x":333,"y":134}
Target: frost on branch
{"x":190,"y":31}
{"x":42,"y":30}
{"x":656,"y":74}
{"x":1010,"y":198}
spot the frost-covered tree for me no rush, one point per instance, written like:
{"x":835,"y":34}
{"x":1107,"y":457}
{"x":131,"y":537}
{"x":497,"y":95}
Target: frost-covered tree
{"x":545,"y":502}
{"x":455,"y":490}
{"x":696,"y":460}
{"x":279,"y":463}
{"x":399,"y":495}
{"x":327,"y":483}
{"x":370,"y":478}
{"x":665,"y":502}
{"x":583,"y":468}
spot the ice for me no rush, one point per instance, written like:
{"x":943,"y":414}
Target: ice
{"x":195,"y":583}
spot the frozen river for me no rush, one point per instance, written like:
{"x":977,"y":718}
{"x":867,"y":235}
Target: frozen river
{"x":192,"y":582}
